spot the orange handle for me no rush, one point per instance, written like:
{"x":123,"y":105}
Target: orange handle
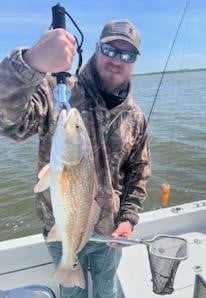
{"x":165,"y":193}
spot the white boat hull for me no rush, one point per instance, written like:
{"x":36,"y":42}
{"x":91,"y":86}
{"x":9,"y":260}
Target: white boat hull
{"x":26,"y":261}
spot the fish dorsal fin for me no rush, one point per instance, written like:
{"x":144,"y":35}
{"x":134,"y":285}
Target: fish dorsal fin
{"x":44,"y":179}
{"x":64,"y":181}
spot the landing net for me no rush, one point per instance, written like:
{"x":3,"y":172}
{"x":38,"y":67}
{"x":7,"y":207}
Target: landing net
{"x":165,"y":254}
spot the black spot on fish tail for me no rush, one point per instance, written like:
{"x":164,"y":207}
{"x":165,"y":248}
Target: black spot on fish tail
{"x":75,"y":264}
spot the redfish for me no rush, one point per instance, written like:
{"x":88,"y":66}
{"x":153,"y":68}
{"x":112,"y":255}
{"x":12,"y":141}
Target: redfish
{"x":71,"y":177}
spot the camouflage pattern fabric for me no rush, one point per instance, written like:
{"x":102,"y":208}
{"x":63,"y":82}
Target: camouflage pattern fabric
{"x":118,"y":136}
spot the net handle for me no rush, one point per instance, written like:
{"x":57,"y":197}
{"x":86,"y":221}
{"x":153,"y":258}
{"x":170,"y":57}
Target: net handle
{"x":133,"y":241}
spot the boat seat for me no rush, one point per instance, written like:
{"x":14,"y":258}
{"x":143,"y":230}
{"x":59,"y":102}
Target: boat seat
{"x":31,"y":291}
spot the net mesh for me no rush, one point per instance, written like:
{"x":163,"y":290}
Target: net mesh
{"x":165,"y":254}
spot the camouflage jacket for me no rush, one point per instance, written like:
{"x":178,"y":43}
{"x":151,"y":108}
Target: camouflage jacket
{"x":118,"y":137}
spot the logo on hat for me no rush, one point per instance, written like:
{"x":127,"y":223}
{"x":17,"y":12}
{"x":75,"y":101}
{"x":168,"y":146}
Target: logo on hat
{"x":121,"y":29}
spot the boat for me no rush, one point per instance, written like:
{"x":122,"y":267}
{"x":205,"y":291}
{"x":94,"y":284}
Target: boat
{"x":25,"y":263}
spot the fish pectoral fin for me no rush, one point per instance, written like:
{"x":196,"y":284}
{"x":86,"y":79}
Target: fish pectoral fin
{"x":53,"y":235}
{"x":44,"y":179}
{"x":64,"y":181}
{"x":44,"y":170}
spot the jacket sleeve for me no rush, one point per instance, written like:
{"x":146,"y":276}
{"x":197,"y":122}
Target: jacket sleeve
{"x":137,"y":172}
{"x":24,"y":97}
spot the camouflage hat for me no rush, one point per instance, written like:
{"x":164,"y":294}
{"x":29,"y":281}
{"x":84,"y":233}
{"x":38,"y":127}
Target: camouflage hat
{"x":123,"y":30}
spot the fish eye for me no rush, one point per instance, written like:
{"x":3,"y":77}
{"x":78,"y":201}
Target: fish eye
{"x":77,"y":126}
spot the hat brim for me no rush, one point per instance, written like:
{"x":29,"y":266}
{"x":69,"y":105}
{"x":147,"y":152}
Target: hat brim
{"x":116,"y":37}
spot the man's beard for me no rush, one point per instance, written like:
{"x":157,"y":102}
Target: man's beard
{"x":110,"y":86}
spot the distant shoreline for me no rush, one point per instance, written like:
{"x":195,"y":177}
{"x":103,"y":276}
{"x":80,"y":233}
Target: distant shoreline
{"x":170,"y":71}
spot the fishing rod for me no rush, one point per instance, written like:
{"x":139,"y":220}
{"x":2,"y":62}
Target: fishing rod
{"x":167,"y":61}
{"x":144,"y":135}
{"x":62,"y":91}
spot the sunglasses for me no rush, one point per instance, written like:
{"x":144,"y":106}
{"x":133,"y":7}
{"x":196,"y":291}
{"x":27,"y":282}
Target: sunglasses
{"x":111,"y":51}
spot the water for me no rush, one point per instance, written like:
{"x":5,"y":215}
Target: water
{"x":177,"y":129}
{"x":178,"y":150}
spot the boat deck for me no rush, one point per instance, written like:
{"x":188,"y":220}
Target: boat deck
{"x":26,"y":261}
{"x":186,"y":221}
{"x":135,"y":275}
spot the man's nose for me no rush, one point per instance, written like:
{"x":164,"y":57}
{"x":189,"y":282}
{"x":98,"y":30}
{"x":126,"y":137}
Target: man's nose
{"x":116,"y":59}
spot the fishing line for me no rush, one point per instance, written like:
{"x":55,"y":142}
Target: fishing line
{"x":158,"y":89}
{"x":144,"y":135}
{"x":79,"y":50}
{"x":167,"y":61}
{"x":79,"y":45}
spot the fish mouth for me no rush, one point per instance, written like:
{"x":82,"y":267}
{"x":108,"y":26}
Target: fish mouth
{"x":64,"y":117}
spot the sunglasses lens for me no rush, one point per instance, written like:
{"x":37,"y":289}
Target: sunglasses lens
{"x":128,"y":57}
{"x":110,"y":51}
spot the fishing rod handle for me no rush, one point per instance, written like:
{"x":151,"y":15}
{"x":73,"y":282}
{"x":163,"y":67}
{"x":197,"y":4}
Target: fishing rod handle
{"x":58,"y":17}
{"x":59,"y":21}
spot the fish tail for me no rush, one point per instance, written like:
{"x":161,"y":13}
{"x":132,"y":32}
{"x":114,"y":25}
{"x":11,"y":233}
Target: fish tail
{"x":70,"y":277}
